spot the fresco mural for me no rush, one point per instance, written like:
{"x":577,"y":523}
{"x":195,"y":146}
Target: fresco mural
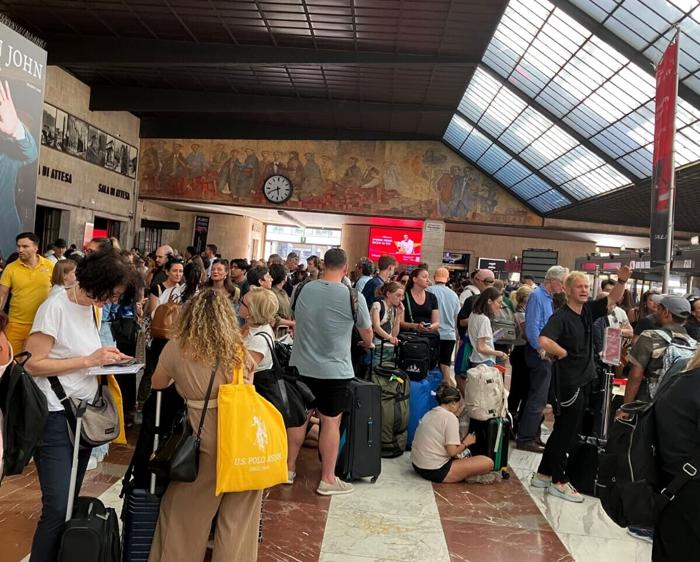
{"x":416,"y":179}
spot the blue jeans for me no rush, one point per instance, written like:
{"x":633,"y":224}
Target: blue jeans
{"x":540,"y":375}
{"x":53,"y":463}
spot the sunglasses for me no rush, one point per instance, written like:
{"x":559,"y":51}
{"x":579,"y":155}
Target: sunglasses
{"x":488,"y":280}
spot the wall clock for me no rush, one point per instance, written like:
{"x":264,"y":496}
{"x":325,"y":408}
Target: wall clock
{"x":278,"y":189}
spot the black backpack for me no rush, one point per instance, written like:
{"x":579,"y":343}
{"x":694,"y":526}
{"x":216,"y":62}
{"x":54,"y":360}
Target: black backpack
{"x":629,"y":474}
{"x":25,"y":411}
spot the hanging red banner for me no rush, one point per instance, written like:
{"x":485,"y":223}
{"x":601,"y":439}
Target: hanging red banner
{"x":663,"y":172}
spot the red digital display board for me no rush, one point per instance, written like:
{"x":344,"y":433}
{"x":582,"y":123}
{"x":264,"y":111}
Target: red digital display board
{"x":404,"y":244}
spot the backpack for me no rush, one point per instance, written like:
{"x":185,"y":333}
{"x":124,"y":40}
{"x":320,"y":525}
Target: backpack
{"x":396,"y":389}
{"x":166,"y":318}
{"x":25,"y":411}
{"x":505,"y":322}
{"x":413,"y":355}
{"x":629,"y":475}
{"x":680,"y":349}
{"x":485,"y":394}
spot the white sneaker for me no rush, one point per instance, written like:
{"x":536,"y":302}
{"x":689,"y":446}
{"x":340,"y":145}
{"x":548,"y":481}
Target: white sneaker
{"x":290,"y":477}
{"x":92,"y":463}
{"x":565,"y":492}
{"x":540,"y":480}
{"x":337,"y":488}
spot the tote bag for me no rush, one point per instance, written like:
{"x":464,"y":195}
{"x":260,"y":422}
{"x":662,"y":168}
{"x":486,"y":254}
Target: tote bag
{"x":251,"y":440}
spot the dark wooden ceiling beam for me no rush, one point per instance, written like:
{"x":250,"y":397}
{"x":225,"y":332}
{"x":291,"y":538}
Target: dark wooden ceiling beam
{"x":101,"y":51}
{"x":163,"y":100}
{"x":197,"y":126}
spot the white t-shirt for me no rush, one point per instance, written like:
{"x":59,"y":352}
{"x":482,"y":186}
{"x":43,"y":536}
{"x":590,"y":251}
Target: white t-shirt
{"x":437,"y":429}
{"x":259,"y":344}
{"x":480,"y":327}
{"x":469,"y":291}
{"x":165,"y":296}
{"x":619,"y":318}
{"x":72,"y":326}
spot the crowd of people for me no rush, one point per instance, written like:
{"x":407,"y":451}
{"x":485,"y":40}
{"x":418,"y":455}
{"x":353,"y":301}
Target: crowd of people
{"x":184,"y":313}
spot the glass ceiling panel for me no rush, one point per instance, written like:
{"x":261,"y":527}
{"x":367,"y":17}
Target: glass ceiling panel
{"x":512,"y":174}
{"x":534,"y":139}
{"x":647,"y":25}
{"x":587,"y":85}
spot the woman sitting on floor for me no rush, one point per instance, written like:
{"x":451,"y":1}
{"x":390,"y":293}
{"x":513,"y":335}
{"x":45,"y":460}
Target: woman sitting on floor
{"x":437,"y":447}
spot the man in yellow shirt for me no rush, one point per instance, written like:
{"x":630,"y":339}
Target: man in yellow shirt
{"x":28,"y":281}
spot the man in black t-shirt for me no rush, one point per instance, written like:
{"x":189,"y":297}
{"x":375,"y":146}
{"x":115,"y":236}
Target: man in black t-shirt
{"x":567,"y":339}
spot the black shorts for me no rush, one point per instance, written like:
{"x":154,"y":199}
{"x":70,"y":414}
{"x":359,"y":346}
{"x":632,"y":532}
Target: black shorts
{"x":436,"y":474}
{"x":447,"y":348}
{"x":332,"y":395}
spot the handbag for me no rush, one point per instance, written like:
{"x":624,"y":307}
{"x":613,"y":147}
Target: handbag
{"x":101,"y":418}
{"x":251,"y":451}
{"x":177,"y":458}
{"x":166,"y":318}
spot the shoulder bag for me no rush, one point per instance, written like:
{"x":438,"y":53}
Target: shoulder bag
{"x":177,"y":458}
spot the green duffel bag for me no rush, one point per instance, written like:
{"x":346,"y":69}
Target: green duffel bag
{"x":396,"y":389}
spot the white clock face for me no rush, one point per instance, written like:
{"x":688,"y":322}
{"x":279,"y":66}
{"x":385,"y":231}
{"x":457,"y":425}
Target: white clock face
{"x":277,"y":189}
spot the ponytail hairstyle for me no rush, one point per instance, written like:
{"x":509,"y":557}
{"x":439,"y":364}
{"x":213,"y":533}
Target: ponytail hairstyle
{"x":412,"y":279}
{"x":446,"y":394}
{"x":388,"y":287}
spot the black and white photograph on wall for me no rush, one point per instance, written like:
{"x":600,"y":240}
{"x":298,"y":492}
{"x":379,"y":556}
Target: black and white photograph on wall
{"x":22,"y":81}
{"x":75,"y":137}
{"x":97,"y":146}
{"x":48,"y":127}
{"x":72,"y":135}
{"x":110,"y":161}
{"x":133,"y":161}
{"x":61,"y":127}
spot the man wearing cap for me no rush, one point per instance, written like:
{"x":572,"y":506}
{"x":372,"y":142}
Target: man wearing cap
{"x":647,"y":354}
{"x":448,"y":305}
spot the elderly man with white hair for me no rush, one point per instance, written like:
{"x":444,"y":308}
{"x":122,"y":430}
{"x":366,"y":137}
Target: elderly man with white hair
{"x":540,"y":306}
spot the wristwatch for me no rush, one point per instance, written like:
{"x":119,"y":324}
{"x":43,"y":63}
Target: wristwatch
{"x":621,"y":282}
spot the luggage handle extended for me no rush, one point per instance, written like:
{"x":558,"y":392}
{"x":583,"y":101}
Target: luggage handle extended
{"x":79,"y":411}
{"x":156,"y":438}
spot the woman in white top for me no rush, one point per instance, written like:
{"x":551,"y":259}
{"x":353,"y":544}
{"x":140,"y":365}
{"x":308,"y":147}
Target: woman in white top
{"x":487,"y":304}
{"x":437,"y":452}
{"x":63,"y":276}
{"x":258,"y":310}
{"x":65,"y":343}
{"x":174,"y":270}
{"x":387,"y":314}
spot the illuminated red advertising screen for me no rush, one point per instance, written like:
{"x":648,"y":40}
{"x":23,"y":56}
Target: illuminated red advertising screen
{"x":404,"y":244}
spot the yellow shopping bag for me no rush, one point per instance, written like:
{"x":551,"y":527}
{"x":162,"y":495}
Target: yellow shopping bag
{"x":251,"y":438}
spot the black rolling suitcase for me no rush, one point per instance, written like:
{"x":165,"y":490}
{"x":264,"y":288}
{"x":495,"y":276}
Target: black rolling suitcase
{"x":360,"y":451}
{"x":492,"y":440}
{"x":91,"y":530}
{"x":141,"y":507}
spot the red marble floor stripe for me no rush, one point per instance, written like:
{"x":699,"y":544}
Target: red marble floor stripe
{"x":496,"y":523}
{"x":294,"y":517}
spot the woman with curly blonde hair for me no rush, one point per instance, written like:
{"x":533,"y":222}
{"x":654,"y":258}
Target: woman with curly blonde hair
{"x":208,"y":333}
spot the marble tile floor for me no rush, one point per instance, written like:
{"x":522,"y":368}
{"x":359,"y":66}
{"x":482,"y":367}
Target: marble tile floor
{"x":584,"y":528}
{"x":401,"y":517}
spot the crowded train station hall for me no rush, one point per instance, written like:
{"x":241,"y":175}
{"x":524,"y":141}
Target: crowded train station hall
{"x":349,"y":280}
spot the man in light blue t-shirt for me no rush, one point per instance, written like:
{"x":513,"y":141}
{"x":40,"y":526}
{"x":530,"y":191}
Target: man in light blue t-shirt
{"x":448,"y":305}
{"x":325,"y":312}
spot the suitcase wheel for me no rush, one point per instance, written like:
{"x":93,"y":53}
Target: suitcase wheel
{"x":505,"y":474}
{"x":374,"y":479}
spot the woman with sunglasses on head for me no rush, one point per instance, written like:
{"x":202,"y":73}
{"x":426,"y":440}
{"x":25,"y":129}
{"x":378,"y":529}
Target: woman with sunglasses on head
{"x":438,"y":453}
{"x":65,"y":342}
{"x":487,"y":305}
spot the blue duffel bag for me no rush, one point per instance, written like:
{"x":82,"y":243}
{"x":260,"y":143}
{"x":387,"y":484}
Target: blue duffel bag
{"x":422,"y":400}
